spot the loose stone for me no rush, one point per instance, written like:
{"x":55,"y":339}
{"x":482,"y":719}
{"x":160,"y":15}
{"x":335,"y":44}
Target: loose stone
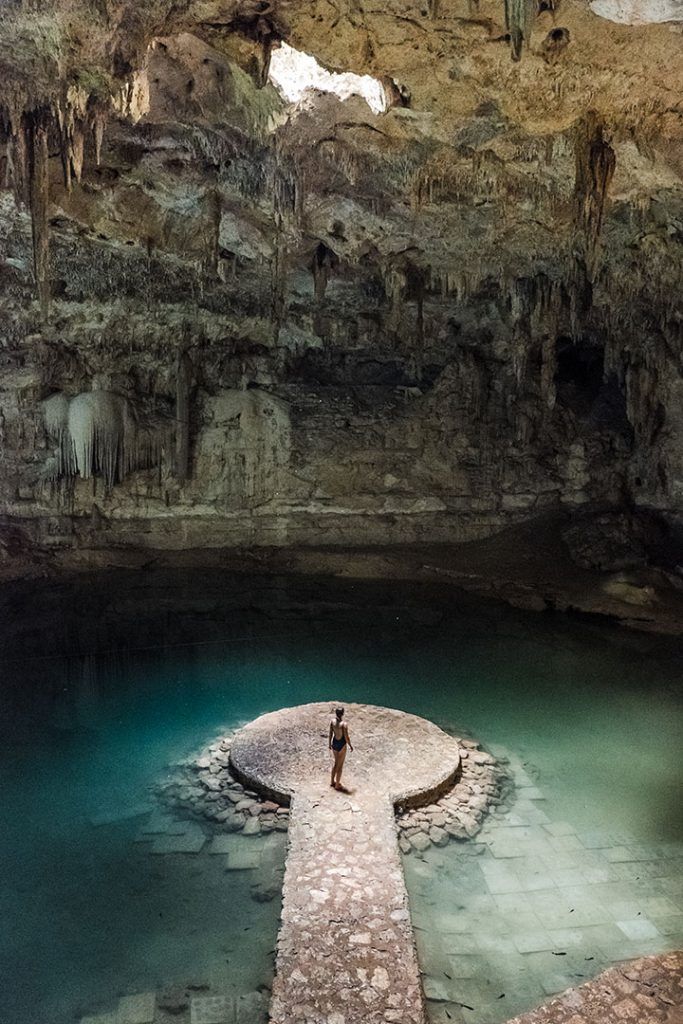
{"x":420,"y":842}
{"x":438,"y":836}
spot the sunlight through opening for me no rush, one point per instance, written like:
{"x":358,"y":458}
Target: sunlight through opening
{"x":293,"y":73}
{"x":638,"y":12}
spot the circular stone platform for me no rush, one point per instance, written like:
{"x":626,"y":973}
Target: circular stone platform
{"x":395,"y":753}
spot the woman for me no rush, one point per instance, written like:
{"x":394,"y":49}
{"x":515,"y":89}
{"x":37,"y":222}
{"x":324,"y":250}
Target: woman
{"x":339,"y":739}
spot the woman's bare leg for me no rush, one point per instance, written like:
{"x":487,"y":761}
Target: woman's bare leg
{"x":338,"y":765}
{"x":335,"y":767}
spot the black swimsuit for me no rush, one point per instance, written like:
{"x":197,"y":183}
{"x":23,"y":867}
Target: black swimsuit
{"x":339,"y":744}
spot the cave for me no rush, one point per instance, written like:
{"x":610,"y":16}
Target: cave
{"x":341,"y":511}
{"x":579,"y":373}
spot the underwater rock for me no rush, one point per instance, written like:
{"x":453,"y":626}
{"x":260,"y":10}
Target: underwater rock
{"x":459,"y":813}
{"x":173,"y":1000}
{"x":252,"y":1008}
{"x":265,"y":892}
{"x":438,"y":836}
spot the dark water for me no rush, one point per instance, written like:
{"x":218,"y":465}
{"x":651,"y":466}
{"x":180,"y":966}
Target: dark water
{"x":106,"y":681}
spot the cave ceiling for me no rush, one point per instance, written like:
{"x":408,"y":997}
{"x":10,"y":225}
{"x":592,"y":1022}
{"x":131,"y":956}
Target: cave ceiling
{"x":515,"y":208}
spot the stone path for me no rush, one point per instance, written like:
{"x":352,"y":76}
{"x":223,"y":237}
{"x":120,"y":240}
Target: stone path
{"x":647,"y":991}
{"x":345,"y":951}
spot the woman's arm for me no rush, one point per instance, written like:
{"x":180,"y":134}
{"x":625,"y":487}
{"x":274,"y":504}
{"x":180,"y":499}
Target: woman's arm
{"x":329,"y":739}
{"x":348,"y":738}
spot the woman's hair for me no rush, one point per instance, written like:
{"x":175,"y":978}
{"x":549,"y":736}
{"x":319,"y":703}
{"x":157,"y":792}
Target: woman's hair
{"x":339,"y":712}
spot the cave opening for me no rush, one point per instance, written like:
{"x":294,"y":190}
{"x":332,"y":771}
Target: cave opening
{"x":295,"y":73}
{"x":579,"y":373}
{"x":593,"y":394}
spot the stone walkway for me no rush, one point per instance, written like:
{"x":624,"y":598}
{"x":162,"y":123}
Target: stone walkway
{"x":647,"y":991}
{"x":345,"y":951}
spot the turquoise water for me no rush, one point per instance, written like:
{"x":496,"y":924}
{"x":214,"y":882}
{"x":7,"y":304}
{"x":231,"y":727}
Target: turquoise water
{"x":105,"y":685}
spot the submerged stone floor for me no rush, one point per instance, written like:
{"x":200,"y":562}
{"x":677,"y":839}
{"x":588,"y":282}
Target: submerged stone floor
{"x":521,"y":907}
{"x":534,"y":906}
{"x":346,"y":951}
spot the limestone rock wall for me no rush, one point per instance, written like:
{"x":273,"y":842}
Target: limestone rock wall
{"x":326,"y":325}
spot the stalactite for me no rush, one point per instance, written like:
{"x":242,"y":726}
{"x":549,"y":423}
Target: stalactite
{"x":132,"y":99}
{"x":97,"y":432}
{"x":549,"y":147}
{"x":284,"y":209}
{"x":99,"y":122}
{"x":394,"y":286}
{"x":77,"y":149}
{"x":73,"y":120}
{"x":64,"y":146}
{"x":519,"y":353}
{"x":56,"y":416}
{"x":418,"y":355}
{"x":321,"y":265}
{"x":341,"y":160}
{"x":18,"y":157}
{"x":182,"y":415}
{"x":284,"y":192}
{"x":548,"y":370}
{"x":28,"y":165}
{"x":458,"y":282}
{"x":278,"y":283}
{"x":261,"y":21}
{"x":580,"y":296}
{"x":214,"y":219}
{"x":595,"y":163}
{"x":266,"y":54}
{"x":37,"y":148}
{"x":518,"y":18}
{"x":95,"y":428}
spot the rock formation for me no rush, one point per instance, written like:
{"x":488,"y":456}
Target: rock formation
{"x":271,"y":322}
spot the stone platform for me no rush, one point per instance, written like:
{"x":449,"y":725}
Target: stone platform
{"x":346,"y":952}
